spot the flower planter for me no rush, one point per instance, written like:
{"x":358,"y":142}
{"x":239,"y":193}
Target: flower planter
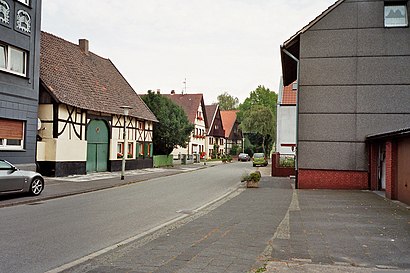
{"x":252,"y":184}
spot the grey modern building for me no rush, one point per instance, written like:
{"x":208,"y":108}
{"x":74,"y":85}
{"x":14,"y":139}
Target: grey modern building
{"x":19,"y":80}
{"x":352,"y":64}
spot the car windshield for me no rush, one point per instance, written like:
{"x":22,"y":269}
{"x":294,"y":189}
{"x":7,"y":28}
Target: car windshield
{"x":258,"y":155}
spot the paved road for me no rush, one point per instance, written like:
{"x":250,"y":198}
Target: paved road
{"x":41,"y":236}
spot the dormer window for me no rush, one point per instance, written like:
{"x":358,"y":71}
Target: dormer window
{"x":395,"y":14}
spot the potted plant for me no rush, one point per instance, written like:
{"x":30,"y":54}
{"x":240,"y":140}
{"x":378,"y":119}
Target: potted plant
{"x":252,"y":179}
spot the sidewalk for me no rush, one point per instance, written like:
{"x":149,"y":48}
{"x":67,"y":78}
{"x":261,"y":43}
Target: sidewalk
{"x":56,"y":187}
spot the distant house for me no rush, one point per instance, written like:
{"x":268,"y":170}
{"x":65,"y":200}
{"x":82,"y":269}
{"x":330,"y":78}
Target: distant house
{"x":286,"y":120}
{"x":233,"y":135}
{"x":194,"y":107}
{"x":215,"y":137}
{"x":354,"y":88}
{"x":19,"y":87}
{"x":82,"y":123}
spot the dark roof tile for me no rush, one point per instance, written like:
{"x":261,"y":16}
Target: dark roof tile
{"x":86,"y":81}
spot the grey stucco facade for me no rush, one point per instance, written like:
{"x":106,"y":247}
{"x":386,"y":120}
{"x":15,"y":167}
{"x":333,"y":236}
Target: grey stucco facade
{"x":19,"y":93}
{"x":354,"y":81}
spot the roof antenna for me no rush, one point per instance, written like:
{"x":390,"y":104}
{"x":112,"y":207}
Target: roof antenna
{"x":184,"y":90}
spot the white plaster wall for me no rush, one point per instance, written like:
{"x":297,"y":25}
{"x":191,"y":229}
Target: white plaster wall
{"x":61,"y":150}
{"x":286,"y":128}
{"x":65,"y":151}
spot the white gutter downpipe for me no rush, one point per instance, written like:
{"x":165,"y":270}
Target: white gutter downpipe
{"x":297,"y":111}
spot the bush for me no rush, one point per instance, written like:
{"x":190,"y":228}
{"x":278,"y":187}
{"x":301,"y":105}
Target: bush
{"x":254,"y":176}
{"x":287,"y":162}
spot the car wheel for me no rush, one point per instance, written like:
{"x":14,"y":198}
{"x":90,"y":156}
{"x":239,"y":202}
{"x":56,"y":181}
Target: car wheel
{"x":37,"y":186}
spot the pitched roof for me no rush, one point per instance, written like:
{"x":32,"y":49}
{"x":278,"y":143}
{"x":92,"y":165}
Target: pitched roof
{"x":313,"y":22}
{"x":86,"y":81}
{"x":292,"y":46}
{"x":188,"y":102}
{"x":288,"y":95}
{"x":228,"y":121}
{"x":210,"y":113}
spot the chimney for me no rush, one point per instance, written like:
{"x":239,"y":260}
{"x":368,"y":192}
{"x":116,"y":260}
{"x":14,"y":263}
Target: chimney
{"x":158,"y":91}
{"x":172,"y":92}
{"x":83,"y":44}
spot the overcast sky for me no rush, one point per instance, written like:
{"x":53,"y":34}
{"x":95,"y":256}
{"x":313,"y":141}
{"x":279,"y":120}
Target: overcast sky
{"x":217,"y":45}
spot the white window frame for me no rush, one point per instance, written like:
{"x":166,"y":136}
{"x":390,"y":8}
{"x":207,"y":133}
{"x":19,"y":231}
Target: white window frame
{"x":5,"y":147}
{"x":396,"y":5}
{"x":8,"y":60}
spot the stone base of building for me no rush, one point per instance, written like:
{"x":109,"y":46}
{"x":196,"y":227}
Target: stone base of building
{"x":61,"y":169}
{"x":134,"y":164}
{"x":332,"y":179}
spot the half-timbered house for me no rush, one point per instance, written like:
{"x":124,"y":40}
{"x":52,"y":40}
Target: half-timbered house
{"x":194,"y":107}
{"x":233,"y":134}
{"x":215,"y":137}
{"x":82,"y":122}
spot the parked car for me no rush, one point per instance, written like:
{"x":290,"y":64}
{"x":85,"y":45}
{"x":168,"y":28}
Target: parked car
{"x":243,"y":157}
{"x":259,"y":159}
{"x":13,"y":180}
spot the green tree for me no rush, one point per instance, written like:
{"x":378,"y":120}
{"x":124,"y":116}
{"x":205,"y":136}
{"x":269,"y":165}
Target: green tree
{"x":173,"y":128}
{"x":227,"y":102}
{"x":259,"y":119}
{"x":260,"y":96}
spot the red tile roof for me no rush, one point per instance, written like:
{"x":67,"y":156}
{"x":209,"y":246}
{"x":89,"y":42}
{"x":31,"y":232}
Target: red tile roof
{"x":86,"y":81}
{"x":190,"y":104}
{"x":289,"y":95}
{"x":228,"y":121}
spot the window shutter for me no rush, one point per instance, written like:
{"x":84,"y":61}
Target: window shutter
{"x":11,"y":129}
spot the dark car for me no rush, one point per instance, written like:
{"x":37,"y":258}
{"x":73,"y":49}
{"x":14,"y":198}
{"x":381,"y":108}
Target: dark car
{"x":13,"y":180}
{"x":259,"y":159}
{"x":243,"y":157}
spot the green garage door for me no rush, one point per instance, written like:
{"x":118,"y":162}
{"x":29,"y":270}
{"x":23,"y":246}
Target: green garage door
{"x":97,"y":146}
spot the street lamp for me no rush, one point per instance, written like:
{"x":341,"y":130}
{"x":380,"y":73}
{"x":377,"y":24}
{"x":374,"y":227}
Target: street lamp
{"x":125,"y":154}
